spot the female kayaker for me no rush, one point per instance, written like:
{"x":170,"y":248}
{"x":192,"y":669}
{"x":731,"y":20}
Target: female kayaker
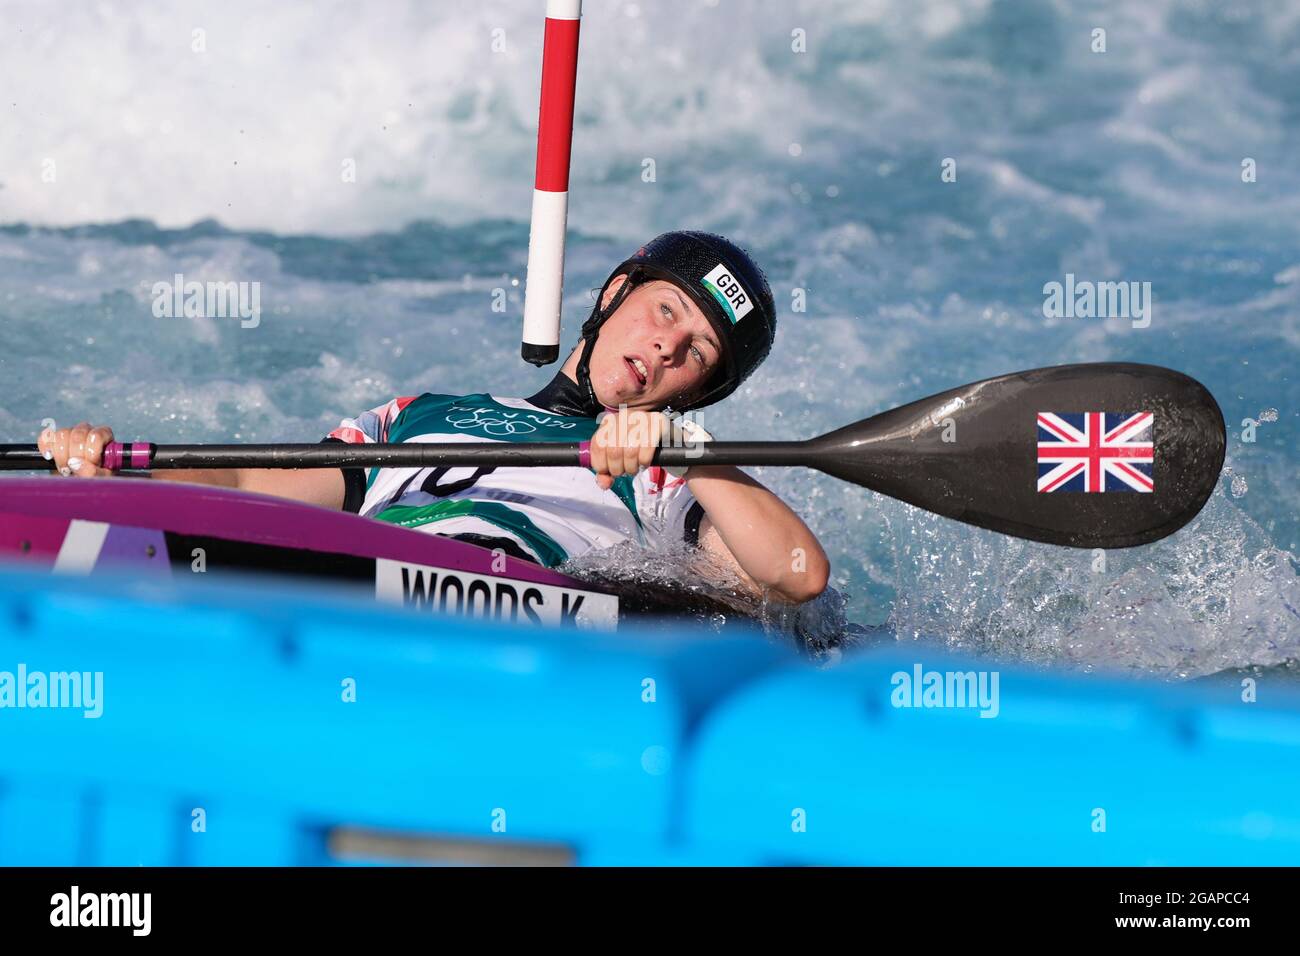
{"x":676,"y":327}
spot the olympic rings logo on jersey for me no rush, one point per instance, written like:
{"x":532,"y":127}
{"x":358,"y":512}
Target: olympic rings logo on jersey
{"x":493,"y":426}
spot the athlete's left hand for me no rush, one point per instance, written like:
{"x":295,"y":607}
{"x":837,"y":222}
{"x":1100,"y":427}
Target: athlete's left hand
{"x":625,"y":442}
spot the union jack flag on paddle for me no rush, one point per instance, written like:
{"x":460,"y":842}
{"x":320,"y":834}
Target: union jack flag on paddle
{"x":1096,"y":451}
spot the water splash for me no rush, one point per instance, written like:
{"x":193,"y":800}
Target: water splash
{"x":676,"y":584}
{"x":1216,"y":595}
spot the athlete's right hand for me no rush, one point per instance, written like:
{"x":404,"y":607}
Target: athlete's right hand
{"x":78,"y":450}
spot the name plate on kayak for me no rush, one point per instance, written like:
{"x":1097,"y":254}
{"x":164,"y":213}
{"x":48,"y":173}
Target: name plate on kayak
{"x":488,"y":598}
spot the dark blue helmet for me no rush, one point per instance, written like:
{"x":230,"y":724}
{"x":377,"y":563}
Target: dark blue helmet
{"x":725,"y":284}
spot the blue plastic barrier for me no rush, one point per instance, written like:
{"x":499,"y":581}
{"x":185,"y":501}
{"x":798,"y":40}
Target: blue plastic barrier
{"x":823,"y":768}
{"x":225,"y":737}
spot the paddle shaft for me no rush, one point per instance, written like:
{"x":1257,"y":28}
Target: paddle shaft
{"x":142,"y":455}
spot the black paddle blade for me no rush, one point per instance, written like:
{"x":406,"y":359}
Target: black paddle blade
{"x":1106,"y":455}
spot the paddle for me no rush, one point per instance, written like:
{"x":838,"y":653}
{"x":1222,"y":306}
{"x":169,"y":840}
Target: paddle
{"x":1053,"y":454}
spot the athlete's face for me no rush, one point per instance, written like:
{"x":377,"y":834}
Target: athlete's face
{"x":656,"y":350}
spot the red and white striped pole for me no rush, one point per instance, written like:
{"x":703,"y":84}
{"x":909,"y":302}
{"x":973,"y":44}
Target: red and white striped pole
{"x":545,"y":282}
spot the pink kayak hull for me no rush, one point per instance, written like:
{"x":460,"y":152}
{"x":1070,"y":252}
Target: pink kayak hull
{"x":37,"y":515}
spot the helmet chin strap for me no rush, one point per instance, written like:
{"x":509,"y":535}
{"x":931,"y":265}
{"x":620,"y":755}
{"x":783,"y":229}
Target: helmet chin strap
{"x":591,"y":328}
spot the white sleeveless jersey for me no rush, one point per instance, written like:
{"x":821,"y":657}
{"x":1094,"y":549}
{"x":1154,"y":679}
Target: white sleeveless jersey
{"x":553,"y":514}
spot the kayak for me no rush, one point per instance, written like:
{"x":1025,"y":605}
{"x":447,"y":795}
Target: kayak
{"x":169,"y":529}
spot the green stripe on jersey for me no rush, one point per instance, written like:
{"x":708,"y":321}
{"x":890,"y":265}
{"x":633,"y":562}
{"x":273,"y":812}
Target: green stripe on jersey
{"x":508,"y":519}
{"x":625,"y":488}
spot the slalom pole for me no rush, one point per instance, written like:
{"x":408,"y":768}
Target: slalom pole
{"x":544,"y":285}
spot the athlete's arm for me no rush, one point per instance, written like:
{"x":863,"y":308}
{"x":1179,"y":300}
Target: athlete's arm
{"x":745,"y":525}
{"x":79,"y":451}
{"x":755,"y":532}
